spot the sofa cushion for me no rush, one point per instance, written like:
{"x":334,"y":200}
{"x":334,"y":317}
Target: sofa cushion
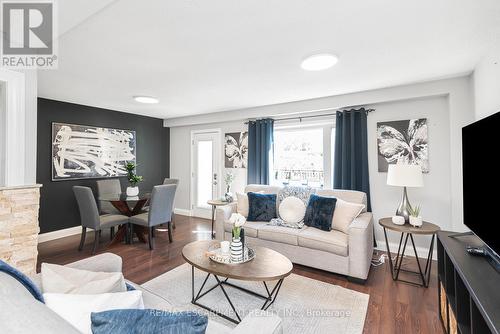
{"x":319,"y":212}
{"x":335,"y":242}
{"x":76,"y":309}
{"x":62,"y":279}
{"x":281,"y":234}
{"x":22,"y":279}
{"x":242,"y":200}
{"x":21,"y":313}
{"x":262,"y":207}
{"x":345,"y":213}
{"x":292,"y":210}
{"x":351,"y":196}
{"x":251,"y":228}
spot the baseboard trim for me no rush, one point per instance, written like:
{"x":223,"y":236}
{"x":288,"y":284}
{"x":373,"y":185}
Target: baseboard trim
{"x":421,"y":251}
{"x":183,"y":212}
{"x":44,"y":237}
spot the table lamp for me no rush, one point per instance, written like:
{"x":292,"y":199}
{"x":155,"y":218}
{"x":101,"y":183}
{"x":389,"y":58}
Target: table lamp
{"x":401,"y":175}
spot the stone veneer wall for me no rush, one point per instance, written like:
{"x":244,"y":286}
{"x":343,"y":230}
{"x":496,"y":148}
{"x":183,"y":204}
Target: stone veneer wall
{"x":19,"y":226}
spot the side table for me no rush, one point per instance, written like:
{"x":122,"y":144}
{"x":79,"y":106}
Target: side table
{"x":407,"y":231}
{"x":214,"y":203}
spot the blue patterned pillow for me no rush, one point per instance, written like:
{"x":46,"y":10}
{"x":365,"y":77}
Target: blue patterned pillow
{"x":148,"y":321}
{"x":319,"y":212}
{"x":262,"y":207}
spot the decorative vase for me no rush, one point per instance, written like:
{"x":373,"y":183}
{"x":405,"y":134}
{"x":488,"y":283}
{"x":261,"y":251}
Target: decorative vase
{"x":228,"y":197}
{"x":132,"y":191}
{"x":236,"y":250}
{"x":415,"y":221}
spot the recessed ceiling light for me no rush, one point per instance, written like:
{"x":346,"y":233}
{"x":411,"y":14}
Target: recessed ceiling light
{"x":146,"y":99}
{"x":319,"y":62}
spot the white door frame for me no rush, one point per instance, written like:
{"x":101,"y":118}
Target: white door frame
{"x":218,"y":157}
{"x":12,"y":129}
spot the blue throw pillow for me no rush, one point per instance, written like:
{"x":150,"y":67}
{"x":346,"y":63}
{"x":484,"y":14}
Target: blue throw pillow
{"x":319,"y":212}
{"x":261,"y":207}
{"x":23,"y":279}
{"x":148,"y":321}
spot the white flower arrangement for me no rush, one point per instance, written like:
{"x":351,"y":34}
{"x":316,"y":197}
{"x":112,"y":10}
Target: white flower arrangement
{"x":238,"y":221}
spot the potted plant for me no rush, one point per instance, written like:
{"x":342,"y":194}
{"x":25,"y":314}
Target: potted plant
{"x":133,"y":179}
{"x":228,"y":179}
{"x":237,"y":246}
{"x":415,"y":218}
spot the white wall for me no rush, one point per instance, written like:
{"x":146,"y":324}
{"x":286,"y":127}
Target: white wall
{"x":448,"y":104}
{"x":180,"y":161}
{"x":486,"y":80}
{"x":434,"y":197}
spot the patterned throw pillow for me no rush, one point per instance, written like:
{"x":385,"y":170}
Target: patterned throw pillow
{"x":319,"y":212}
{"x":148,"y":321}
{"x":262,"y":207}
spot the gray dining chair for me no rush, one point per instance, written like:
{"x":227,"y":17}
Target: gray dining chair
{"x":171,"y":181}
{"x":107,"y":187}
{"x":160,"y":212}
{"x":90,"y":218}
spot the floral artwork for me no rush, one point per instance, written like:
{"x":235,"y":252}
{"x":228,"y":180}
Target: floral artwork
{"x":236,"y":150}
{"x":404,"y":142}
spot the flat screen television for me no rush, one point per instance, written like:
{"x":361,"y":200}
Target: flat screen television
{"x":481,"y":181}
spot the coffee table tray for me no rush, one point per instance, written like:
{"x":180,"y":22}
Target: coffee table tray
{"x":215,"y":254}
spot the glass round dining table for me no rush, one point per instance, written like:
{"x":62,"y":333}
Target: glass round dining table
{"x":128,"y":206}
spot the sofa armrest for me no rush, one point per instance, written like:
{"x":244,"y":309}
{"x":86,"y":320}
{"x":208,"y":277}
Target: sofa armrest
{"x":261,"y":322}
{"x":107,"y":262}
{"x":223,"y":213}
{"x":361,"y":245}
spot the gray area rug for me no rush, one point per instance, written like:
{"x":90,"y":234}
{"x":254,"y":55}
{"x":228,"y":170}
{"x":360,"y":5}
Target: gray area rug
{"x":305,"y":305}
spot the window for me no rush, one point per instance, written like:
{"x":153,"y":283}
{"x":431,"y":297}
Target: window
{"x":302,"y":155}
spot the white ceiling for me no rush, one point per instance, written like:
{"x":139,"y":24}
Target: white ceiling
{"x":200,"y":56}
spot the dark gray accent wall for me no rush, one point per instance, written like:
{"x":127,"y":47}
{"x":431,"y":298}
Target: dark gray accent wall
{"x":58,"y":209}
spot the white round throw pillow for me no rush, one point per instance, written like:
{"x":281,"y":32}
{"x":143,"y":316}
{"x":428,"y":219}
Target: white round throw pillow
{"x":292,"y":210}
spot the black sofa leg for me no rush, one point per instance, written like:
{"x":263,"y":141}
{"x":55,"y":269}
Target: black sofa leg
{"x":356,"y":280}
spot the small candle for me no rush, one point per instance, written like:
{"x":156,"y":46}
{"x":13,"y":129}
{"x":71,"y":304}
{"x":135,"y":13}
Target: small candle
{"x":224,"y":246}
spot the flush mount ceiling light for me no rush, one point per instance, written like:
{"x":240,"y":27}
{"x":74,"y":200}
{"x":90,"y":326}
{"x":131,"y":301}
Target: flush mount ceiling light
{"x":146,"y":99}
{"x":319,"y":62}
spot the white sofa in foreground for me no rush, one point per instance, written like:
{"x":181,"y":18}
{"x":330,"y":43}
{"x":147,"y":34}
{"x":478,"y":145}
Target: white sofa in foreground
{"x":21,"y":313}
{"x":348,"y":254}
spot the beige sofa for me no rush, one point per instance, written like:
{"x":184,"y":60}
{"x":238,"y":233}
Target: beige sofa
{"x":347,"y":254}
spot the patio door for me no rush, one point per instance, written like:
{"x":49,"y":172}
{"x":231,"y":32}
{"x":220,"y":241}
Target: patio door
{"x":205,"y":171}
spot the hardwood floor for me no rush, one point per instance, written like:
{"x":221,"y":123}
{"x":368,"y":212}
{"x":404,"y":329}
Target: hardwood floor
{"x":394,"y":307}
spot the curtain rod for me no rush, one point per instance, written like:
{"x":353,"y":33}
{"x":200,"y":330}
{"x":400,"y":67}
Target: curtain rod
{"x":300,"y":118}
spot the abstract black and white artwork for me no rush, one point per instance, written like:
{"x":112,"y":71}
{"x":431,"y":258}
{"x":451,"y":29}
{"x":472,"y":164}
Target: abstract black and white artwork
{"x":236,"y":150}
{"x":80,"y":152}
{"x":403,"y":142}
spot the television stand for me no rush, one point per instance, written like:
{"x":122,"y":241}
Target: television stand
{"x":492,"y":259}
{"x":458,"y":235}
{"x":469,"y":297}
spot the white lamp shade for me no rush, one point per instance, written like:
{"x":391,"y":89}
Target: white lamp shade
{"x":405,"y":176}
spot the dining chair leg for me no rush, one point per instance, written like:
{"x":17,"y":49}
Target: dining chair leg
{"x":96,"y":241}
{"x":150,"y":238}
{"x":82,"y":238}
{"x":112,"y":233}
{"x":169,"y":224}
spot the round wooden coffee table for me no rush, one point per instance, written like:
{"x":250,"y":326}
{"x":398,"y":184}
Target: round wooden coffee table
{"x":268,"y":265}
{"x":408,"y":230}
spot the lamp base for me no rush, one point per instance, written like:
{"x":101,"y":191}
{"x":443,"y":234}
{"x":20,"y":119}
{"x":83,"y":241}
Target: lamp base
{"x":404,"y":206}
